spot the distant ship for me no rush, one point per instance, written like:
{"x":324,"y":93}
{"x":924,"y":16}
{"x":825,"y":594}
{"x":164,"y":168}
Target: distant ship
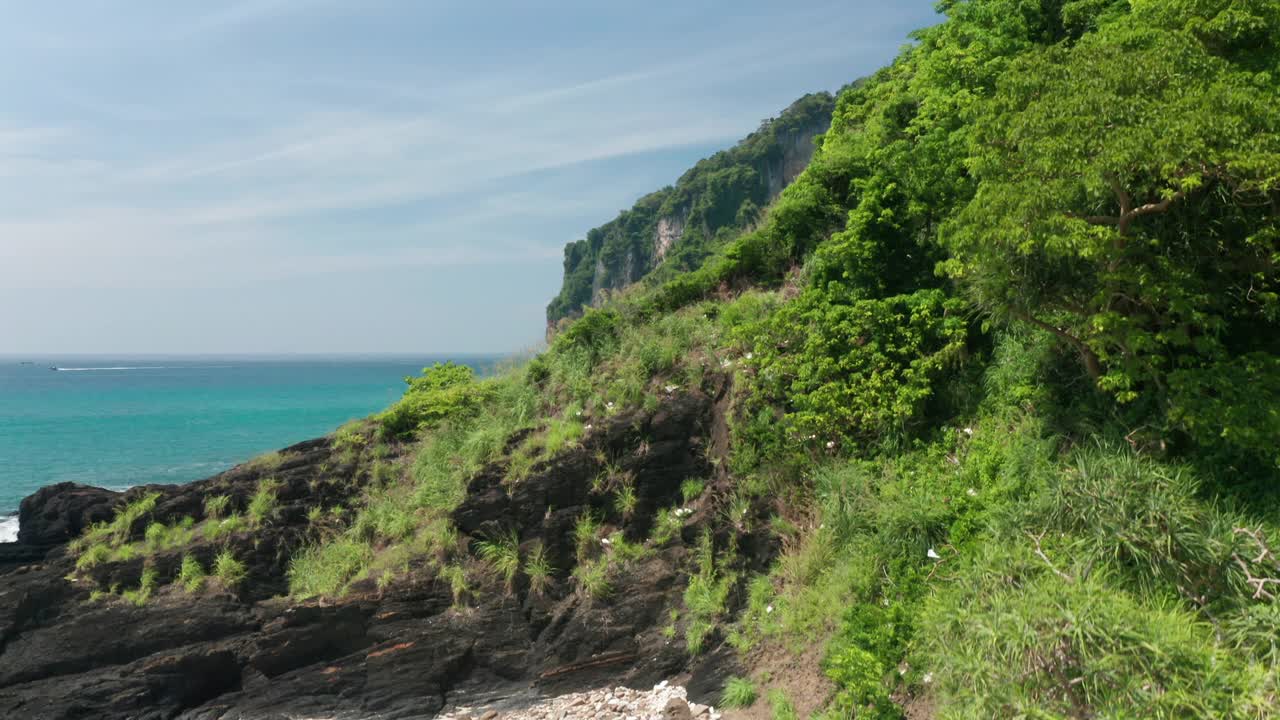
{"x":26,"y":362}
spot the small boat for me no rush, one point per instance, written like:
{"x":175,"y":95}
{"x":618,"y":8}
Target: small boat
{"x":26,"y":362}
{"x":53,"y":368}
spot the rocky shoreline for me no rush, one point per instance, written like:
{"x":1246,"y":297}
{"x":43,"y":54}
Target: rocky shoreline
{"x":665,"y":701}
{"x":399,"y":651}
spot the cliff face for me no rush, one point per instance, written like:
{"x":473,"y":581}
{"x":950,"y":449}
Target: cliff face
{"x":682,"y":224}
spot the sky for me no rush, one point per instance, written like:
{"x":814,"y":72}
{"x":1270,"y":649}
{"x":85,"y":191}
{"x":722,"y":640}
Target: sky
{"x":400,"y":176}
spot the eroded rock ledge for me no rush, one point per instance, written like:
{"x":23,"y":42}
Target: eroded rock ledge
{"x":392,"y":652}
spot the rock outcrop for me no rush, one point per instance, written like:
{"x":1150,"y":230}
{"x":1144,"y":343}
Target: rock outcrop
{"x":389,"y":652}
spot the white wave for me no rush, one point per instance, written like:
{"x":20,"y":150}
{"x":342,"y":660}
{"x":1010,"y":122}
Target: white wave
{"x":9,"y":529}
{"x":62,"y":369}
{"x":141,"y":367}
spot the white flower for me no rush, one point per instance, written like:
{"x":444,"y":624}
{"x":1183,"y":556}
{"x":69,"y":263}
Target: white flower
{"x":933,"y":554}
{"x":968,"y":431}
{"x":608,"y":406}
{"x":750,"y":355}
{"x":579,"y":413}
{"x":726,"y":363}
{"x":672,"y":388}
{"x":768,"y":610}
{"x":928,"y":678}
{"x":588,"y":426}
{"x":606,"y":541}
{"x":971,"y":492}
{"x":831,"y":445}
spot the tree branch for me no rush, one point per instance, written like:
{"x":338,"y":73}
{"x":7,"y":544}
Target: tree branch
{"x":1090,"y":358}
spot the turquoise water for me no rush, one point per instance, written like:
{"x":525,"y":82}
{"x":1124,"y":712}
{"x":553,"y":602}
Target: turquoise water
{"x":118,"y":422}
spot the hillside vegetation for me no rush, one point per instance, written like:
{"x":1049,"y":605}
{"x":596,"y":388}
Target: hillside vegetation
{"x":674,"y":229}
{"x":999,"y":377}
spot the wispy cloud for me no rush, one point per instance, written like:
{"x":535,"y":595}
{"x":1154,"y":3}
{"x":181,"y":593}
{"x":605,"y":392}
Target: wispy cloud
{"x":175,"y":146}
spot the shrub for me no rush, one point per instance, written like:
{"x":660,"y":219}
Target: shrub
{"x":229,"y":571}
{"x":444,"y":391}
{"x":738,"y":693}
{"x":851,"y":370}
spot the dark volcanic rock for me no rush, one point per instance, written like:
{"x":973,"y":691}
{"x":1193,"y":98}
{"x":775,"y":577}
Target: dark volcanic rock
{"x":390,"y":652}
{"x":58,"y":513}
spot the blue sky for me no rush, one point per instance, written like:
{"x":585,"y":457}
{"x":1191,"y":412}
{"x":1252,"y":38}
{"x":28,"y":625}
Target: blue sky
{"x":318,"y":176}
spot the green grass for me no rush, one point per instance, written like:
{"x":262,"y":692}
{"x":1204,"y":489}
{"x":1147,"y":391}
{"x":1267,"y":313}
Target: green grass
{"x":586,"y":535}
{"x":625,"y":501}
{"x":192,"y":574}
{"x":228,"y":570}
{"x":350,"y":437}
{"x":503,"y":556}
{"x":707,"y":595}
{"x":265,"y":502}
{"x":538,"y":568}
{"x":459,"y":586}
{"x":230,"y":525}
{"x":738,"y":693}
{"x":780,"y":706}
{"x":691,"y":489}
{"x":146,"y":586}
{"x":325,"y":569}
{"x":216,"y":506}
{"x":163,"y":537}
{"x":593,"y":578}
{"x":92,"y":556}
{"x":268,"y":462}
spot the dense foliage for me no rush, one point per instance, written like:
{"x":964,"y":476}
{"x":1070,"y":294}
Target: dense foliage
{"x":710,"y":204}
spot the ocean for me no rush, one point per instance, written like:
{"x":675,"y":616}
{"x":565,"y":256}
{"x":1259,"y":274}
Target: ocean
{"x":116,"y":422}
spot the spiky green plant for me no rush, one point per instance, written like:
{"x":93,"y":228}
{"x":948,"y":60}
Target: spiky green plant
{"x":538,"y":568}
{"x":215,"y":506}
{"x":738,"y":693}
{"x":265,"y":501}
{"x":192,"y":575}
{"x":625,"y":501}
{"x":229,"y":571}
{"x":503,"y":556}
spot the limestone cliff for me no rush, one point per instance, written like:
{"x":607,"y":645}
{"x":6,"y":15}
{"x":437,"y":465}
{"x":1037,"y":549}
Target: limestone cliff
{"x":678,"y":226}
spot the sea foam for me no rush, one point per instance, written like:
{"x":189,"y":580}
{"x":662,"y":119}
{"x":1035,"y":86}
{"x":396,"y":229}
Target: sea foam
{"x":9,"y":529}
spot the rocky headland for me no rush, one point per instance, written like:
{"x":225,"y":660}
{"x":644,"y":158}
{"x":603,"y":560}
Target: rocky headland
{"x":403,"y":649}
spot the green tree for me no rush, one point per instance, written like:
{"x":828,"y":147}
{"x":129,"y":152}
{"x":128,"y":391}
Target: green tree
{"x":1127,"y":203}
